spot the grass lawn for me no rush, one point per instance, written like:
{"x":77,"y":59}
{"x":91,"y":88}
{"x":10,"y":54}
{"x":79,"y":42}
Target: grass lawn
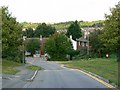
{"x":107,"y":68}
{"x":8,"y":67}
{"x":33,"y":67}
{"x":0,"y":66}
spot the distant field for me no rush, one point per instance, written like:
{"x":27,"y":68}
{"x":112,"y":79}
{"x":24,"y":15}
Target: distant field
{"x":107,"y":68}
{"x":63,"y":25}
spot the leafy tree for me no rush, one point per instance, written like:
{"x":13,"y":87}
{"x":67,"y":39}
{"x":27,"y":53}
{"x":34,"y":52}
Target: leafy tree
{"x":11,"y":36}
{"x":32,"y":45}
{"x":72,"y":53}
{"x":44,"y":30}
{"x":111,"y":30}
{"x":97,"y":25}
{"x":74,"y":30}
{"x":0,"y":31}
{"x":57,"y":46}
{"x":97,"y":46}
{"x":29,"y":32}
{"x":24,"y":33}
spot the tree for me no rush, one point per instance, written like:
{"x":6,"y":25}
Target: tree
{"x":29,"y":32}
{"x":0,"y":32}
{"x":97,"y":46}
{"x":74,"y":30}
{"x":111,"y":30}
{"x":100,"y":24}
{"x":57,"y":46}
{"x":11,"y":36}
{"x":44,"y":30}
{"x":32,"y":45}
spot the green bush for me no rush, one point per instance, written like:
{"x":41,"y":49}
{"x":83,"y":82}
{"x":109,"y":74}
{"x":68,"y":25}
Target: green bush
{"x":57,"y":46}
{"x":32,"y":45}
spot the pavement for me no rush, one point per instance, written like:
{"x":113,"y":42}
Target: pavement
{"x":53,"y":75}
{"x":19,"y":79}
{"x":0,"y":81}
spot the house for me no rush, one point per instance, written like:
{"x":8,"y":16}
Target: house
{"x":74,"y":43}
{"x":62,"y":31}
{"x":79,"y":43}
{"x":83,"y":42}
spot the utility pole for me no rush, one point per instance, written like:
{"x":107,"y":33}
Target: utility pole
{"x":24,"y":38}
{"x":41,"y":46}
{"x":88,"y":43}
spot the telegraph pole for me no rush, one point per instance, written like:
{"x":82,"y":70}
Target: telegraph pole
{"x":41,"y":46}
{"x":88,"y":43}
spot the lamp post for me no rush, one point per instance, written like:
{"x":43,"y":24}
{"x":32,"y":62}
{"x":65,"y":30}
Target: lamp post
{"x":23,"y":59}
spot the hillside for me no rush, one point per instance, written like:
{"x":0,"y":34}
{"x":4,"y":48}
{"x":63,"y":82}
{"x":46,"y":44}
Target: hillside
{"x":65,"y":25}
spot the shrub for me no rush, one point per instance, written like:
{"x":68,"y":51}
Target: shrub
{"x":57,"y":46}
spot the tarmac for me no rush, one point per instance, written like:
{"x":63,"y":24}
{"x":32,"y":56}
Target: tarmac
{"x":24,"y":73}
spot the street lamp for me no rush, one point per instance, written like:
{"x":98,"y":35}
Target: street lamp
{"x":24,"y":38}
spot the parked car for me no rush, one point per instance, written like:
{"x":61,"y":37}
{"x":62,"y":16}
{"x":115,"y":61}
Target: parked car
{"x":47,"y":56}
{"x":36,"y":55}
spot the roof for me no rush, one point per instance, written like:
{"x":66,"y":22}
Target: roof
{"x":82,"y":39}
{"x":90,"y":29}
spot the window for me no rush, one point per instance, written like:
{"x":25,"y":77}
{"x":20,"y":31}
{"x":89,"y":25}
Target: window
{"x":83,"y":44}
{"x":79,"y":43}
{"x":86,"y":44}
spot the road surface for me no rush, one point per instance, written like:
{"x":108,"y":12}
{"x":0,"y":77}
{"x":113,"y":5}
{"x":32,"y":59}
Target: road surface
{"x":55,"y":76}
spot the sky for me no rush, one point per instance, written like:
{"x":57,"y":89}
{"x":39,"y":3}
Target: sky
{"x":53,"y":11}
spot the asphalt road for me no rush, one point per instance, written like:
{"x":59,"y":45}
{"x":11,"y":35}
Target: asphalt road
{"x":53,"y":76}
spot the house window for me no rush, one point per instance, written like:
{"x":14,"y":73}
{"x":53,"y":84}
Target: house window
{"x":83,"y":44}
{"x":87,"y":44}
{"x":79,"y":43}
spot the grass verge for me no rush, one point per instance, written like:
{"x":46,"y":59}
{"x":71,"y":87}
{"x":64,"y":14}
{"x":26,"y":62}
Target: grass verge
{"x":8,"y":67}
{"x":33,"y":67}
{"x":107,"y":68}
{"x":0,"y":66}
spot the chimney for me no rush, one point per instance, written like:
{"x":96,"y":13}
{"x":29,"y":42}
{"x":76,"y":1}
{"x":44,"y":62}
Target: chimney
{"x":71,"y":37}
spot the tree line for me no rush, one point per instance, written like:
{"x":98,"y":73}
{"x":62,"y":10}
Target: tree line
{"x":42,"y":29}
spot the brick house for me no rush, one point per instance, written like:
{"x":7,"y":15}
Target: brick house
{"x":83,"y":42}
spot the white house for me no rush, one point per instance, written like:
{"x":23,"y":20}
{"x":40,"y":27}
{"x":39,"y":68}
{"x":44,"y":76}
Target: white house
{"x":74,"y":43}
